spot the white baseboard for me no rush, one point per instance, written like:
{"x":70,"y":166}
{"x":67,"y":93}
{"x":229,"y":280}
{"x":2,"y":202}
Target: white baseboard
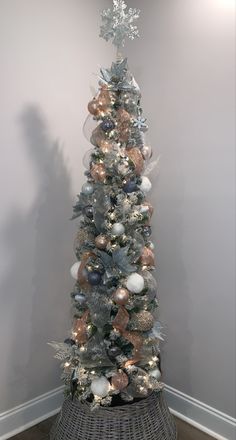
{"x":28,"y":414}
{"x":198,"y":414}
{"x":207,"y":419}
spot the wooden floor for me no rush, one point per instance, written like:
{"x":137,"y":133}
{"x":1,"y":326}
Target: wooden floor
{"x":40,"y":432}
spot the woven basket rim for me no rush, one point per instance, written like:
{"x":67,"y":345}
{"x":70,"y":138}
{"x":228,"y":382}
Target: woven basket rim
{"x":119,"y":408}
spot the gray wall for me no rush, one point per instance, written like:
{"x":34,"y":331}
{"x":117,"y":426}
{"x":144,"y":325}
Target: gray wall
{"x":48,"y":51}
{"x":185,"y":65}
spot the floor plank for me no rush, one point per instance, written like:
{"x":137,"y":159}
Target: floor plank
{"x":41,"y":432}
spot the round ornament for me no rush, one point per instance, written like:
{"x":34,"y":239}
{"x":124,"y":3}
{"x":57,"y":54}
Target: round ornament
{"x":155,"y":373}
{"x":80,"y":298}
{"x":142,"y":321}
{"x":94,"y":278}
{"x":136,"y":157}
{"x":105,"y":146}
{"x":93,"y":107}
{"x":100,"y":387}
{"x":118,"y":229}
{"x":146,"y":185}
{"x":147,"y":231}
{"x":147,"y":257}
{"x":74,"y":270}
{"x":130,"y":187}
{"x":107,"y":125}
{"x":87,"y":189}
{"x":121,"y":296}
{"x":98,"y":172}
{"x":120,"y":380}
{"x":135,"y":283}
{"x":101,"y":241}
{"x":146,"y":151}
{"x":88,"y":211}
{"x":97,"y":136}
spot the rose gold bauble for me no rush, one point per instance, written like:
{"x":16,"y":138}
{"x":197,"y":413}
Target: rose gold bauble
{"x":123,"y":116}
{"x":97,"y":136}
{"x":120,"y":380}
{"x":141,"y":321}
{"x":93,"y":107}
{"x":98,"y":172}
{"x":101,"y":241}
{"x":147,"y":257}
{"x":105,"y":145}
{"x":136,"y":157}
{"x":121,"y":296}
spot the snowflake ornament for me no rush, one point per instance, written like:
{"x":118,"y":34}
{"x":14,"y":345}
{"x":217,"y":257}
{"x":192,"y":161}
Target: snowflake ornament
{"x":140,"y":123}
{"x":118,"y":24}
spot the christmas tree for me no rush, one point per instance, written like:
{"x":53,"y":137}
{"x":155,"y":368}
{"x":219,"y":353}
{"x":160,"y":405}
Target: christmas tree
{"x":112,"y":355}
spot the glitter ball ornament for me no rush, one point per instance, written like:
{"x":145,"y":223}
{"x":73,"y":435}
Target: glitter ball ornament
{"x":118,"y":229}
{"x":74,"y":270}
{"x":120,"y":380}
{"x":135,"y":283}
{"x":98,"y":172}
{"x":142,"y":321}
{"x":87,"y":188}
{"x":146,"y":185}
{"x":155,"y":373}
{"x":94,"y":278}
{"x":101,"y":241}
{"x":107,"y":125}
{"x":121,"y":296}
{"x":100,"y":387}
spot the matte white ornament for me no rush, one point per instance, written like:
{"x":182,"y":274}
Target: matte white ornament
{"x":74,"y":270}
{"x":118,"y":229}
{"x":100,"y":387}
{"x":155,"y":373}
{"x":135,"y":283}
{"x":146,"y":185}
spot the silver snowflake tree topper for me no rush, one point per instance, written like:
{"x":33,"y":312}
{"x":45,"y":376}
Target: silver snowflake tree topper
{"x":118,"y":23}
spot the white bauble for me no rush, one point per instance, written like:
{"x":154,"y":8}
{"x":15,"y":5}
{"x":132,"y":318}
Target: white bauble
{"x":74,"y":270}
{"x":146,"y":185}
{"x":118,"y":229}
{"x":135,"y":283}
{"x":100,"y":387}
{"x":155,"y":373}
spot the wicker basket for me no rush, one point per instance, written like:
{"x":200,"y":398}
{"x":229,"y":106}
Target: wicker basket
{"x":148,"y":419}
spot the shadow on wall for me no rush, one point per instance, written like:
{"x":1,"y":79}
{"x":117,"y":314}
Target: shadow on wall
{"x":172,"y":279}
{"x":35,"y":289}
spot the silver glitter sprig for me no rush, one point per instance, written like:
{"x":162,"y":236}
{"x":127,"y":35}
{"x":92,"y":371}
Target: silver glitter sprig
{"x":118,"y":23}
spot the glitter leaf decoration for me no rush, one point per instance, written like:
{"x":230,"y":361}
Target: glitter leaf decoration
{"x":118,"y":23}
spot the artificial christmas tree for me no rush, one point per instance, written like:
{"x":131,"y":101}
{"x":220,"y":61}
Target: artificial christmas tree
{"x":111,"y":359}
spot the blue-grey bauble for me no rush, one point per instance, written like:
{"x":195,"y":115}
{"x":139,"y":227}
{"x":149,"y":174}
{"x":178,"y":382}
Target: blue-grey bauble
{"x":130,"y":186}
{"x":107,"y":125}
{"x":87,"y":188}
{"x":94,"y":278}
{"x":147,"y":231}
{"x":88,"y":211}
